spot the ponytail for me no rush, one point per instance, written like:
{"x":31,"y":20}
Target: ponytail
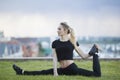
{"x":72,"y":36}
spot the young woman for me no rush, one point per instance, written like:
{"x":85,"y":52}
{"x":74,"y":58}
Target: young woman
{"x":63,"y":53}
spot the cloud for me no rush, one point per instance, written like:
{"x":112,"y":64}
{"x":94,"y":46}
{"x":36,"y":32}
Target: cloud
{"x":41,"y":18}
{"x":36,"y":25}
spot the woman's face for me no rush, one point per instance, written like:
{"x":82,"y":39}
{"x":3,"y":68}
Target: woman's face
{"x":61,"y":31}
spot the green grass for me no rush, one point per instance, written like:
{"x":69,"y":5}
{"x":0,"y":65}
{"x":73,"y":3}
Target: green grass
{"x":110,"y":70}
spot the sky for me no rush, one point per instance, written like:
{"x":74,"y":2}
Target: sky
{"x":40,"y":18}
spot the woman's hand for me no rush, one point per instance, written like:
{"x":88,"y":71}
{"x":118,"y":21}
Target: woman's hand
{"x":55,"y":73}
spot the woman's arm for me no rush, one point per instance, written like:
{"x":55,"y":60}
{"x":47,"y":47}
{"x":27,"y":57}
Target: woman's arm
{"x":80,"y":52}
{"x":54,"y":63}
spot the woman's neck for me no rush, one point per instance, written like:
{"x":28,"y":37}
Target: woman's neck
{"x":64,"y":38}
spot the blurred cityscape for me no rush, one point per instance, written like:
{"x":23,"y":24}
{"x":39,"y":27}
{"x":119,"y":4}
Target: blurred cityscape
{"x":41,"y":46}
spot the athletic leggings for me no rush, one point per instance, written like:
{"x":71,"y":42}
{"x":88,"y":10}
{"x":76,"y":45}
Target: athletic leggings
{"x":71,"y":70}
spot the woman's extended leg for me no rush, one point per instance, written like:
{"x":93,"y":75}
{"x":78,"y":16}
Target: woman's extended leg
{"x":42,"y":72}
{"x":20,"y":71}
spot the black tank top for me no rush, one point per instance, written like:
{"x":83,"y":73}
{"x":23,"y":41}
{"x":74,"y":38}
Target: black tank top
{"x":64,"y":50}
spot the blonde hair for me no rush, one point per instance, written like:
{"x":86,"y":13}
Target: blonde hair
{"x":70,"y":31}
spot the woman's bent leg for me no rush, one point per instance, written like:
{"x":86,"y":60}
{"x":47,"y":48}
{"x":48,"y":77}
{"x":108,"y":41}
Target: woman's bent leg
{"x":96,"y":68}
{"x":74,"y":70}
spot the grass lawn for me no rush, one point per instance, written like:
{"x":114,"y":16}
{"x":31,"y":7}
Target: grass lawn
{"x":110,"y":70}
